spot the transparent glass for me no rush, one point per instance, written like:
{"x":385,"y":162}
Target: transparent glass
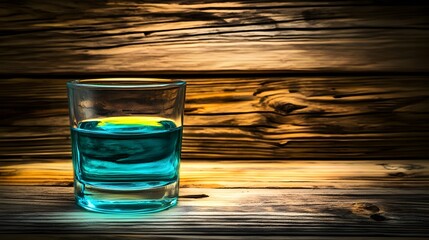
{"x":126,"y":142}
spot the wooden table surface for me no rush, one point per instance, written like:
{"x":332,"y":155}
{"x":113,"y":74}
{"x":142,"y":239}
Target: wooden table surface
{"x":233,"y":199}
{"x":304,"y":119}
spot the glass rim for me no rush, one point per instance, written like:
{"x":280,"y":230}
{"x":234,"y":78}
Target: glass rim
{"x":119,"y":83}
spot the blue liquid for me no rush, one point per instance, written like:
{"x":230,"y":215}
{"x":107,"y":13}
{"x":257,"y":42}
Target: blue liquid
{"x":126,"y":164}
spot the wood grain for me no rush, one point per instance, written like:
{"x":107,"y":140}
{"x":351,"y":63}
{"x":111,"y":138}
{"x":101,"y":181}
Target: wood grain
{"x":268,"y":83}
{"x":333,"y":117}
{"x":281,"y":174}
{"x":164,"y":237}
{"x":134,"y":36}
{"x":277,"y":198}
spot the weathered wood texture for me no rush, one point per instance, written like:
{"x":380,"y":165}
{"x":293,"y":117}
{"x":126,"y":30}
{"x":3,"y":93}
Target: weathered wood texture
{"x":180,"y":237}
{"x":133,"y":36}
{"x":277,"y":198}
{"x":347,"y":117}
{"x":344,"y":101}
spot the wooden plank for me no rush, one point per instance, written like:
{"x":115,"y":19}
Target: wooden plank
{"x":278,"y":198}
{"x":163,"y":237}
{"x":337,"y":117}
{"x":374,"y":174}
{"x":134,"y":36}
{"x":176,"y":237}
{"x":227,"y":212}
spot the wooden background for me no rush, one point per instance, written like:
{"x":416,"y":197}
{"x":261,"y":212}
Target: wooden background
{"x":302,"y":118}
{"x":279,"y":79}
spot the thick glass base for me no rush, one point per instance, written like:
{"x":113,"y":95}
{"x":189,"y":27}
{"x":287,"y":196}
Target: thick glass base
{"x":135,"y":200}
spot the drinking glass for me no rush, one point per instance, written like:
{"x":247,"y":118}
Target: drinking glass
{"x":126,"y":138}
